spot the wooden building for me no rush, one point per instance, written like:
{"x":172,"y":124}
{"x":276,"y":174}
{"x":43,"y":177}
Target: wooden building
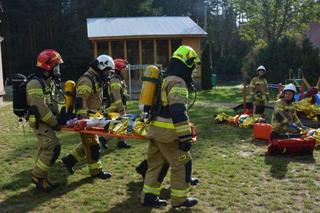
{"x":143,"y":40}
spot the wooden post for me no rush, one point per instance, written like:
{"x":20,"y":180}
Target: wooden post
{"x":140,"y":52}
{"x":244,"y":97}
{"x":125,"y":50}
{"x":95,"y":49}
{"x":169,"y":48}
{"x":155,"y":51}
{"x":110,"y":48}
{"x":140,"y":59}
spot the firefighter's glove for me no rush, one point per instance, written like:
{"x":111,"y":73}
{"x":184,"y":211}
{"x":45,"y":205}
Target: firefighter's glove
{"x":294,"y":126}
{"x":185,"y":146}
{"x":61,"y":117}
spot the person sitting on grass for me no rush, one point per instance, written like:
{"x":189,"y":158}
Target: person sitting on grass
{"x":285,"y":122}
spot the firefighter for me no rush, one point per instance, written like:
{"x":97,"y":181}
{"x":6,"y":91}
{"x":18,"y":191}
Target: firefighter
{"x":116,"y":98}
{"x":284,"y":117}
{"x":259,"y":90}
{"x":170,"y":134}
{"x":43,"y":111}
{"x":89,"y":100}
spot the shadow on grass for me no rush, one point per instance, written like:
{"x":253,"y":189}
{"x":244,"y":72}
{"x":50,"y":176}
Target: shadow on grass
{"x":21,"y":180}
{"x":223,"y":94}
{"x":259,"y":142}
{"x":279,"y":164}
{"x":134,"y":192}
{"x":28,"y":200}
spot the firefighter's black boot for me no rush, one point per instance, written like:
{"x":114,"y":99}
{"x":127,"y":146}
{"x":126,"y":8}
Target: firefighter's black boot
{"x":123,"y":145}
{"x":194,"y":181}
{"x":103,"y":175}
{"x":153,"y":201}
{"x":103,"y":142}
{"x":142,"y":168}
{"x":190,"y":201}
{"x":69,"y":161}
{"x":43,"y":184}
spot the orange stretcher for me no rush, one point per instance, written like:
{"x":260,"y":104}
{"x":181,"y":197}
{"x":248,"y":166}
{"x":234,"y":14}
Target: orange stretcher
{"x":101,"y":132}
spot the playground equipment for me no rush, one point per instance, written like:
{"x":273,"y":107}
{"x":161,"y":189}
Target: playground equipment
{"x":297,"y":78}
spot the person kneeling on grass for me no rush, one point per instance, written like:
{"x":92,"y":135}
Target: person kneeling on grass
{"x":285,"y":122}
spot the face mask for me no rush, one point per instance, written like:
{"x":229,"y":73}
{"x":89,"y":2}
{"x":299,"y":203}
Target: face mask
{"x":56,"y":71}
{"x":105,"y":76}
{"x":56,"y":75}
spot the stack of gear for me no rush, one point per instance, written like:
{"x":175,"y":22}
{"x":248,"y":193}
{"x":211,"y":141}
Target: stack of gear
{"x":309,"y":108}
{"x":242,"y":121}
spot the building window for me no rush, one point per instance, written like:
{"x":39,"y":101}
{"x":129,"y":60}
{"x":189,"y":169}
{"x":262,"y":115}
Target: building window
{"x":147,"y":52}
{"x":162,"y":52}
{"x":175,"y":43}
{"x":117,"y":49}
{"x":102,"y":47}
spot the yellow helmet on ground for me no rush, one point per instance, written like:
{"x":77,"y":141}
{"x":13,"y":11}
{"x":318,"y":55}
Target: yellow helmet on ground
{"x":187,"y":55}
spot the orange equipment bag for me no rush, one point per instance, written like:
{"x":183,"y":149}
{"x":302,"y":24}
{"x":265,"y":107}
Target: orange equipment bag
{"x":262,"y":131}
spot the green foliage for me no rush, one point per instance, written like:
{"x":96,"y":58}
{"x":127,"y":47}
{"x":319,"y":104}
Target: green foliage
{"x":283,"y":55}
{"x":272,"y":19}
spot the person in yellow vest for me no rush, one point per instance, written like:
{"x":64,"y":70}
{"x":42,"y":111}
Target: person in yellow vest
{"x":259,"y":90}
{"x":43,"y":111}
{"x":89,"y":100}
{"x":116,"y":98}
{"x":170,"y":134}
{"x":284,"y":118}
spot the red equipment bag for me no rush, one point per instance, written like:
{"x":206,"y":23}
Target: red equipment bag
{"x":292,"y":146}
{"x":262,"y":131}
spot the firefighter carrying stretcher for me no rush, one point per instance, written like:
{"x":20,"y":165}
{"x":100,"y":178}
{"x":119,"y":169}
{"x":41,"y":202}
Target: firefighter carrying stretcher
{"x":43,"y":111}
{"x":89,"y":100}
{"x":115,"y":95}
{"x":170,"y":134}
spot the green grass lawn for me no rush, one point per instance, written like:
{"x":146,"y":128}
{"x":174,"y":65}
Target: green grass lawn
{"x":235,"y":173}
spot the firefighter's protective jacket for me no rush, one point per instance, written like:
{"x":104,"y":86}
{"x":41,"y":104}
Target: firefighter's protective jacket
{"x":42,"y":105}
{"x":117,"y":91}
{"x":259,"y":88}
{"x":173,"y":122}
{"x":88,"y":94}
{"x":284,"y":115}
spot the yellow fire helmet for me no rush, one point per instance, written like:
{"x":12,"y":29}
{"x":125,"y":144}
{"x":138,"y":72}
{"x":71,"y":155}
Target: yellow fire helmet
{"x":187,"y":55}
